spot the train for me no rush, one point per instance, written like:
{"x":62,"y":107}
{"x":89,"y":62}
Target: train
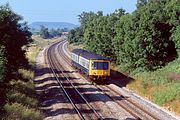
{"x":95,"y":66}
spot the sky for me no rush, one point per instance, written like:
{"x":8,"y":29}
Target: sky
{"x":65,"y":10}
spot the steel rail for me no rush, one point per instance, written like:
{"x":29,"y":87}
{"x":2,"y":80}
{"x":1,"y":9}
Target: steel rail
{"x":130,"y":101}
{"x":60,"y":83}
{"x":137,"y":117}
{"x":63,"y":74}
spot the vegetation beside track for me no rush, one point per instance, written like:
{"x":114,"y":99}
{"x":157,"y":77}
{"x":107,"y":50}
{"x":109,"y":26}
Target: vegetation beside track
{"x":17,"y":99}
{"x":162,"y":86}
{"x":21,"y":96}
{"x":144,"y":45}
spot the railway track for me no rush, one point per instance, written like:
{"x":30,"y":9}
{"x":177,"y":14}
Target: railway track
{"x":78,"y":101}
{"x":136,"y":110}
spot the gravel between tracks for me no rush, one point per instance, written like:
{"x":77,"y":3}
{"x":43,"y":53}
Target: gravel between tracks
{"x":159,"y":111}
{"x":108,"y":108}
{"x":56,"y":106}
{"x":51,"y":98}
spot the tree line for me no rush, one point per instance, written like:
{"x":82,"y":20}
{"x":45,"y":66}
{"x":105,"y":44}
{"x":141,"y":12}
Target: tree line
{"x":148,"y":38}
{"x":46,"y":33}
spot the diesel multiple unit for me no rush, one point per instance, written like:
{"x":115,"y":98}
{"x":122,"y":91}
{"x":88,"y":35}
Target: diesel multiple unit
{"x":93,"y":65}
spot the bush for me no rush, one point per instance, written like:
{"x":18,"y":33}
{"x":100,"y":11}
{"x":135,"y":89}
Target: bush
{"x":26,"y":74}
{"x":160,"y":76}
{"x":176,"y":39}
{"x":15,"y":96}
{"x":16,"y":111}
{"x":24,"y":87}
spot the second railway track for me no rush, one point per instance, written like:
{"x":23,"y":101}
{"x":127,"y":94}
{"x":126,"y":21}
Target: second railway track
{"x":135,"y":109}
{"x":80,"y":104}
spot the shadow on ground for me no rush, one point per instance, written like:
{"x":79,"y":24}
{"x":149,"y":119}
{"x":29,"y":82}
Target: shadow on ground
{"x":119,"y":79}
{"x":51,"y":96}
{"x":116,"y":78}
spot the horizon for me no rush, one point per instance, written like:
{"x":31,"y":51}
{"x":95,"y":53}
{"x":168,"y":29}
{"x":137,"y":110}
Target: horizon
{"x":51,"y":22}
{"x":65,"y":11}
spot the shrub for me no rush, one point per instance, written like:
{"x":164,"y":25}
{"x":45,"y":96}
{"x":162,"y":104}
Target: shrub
{"x":26,"y":74}
{"x":14,"y":95}
{"x":17,"y":111}
{"x":24,"y":87}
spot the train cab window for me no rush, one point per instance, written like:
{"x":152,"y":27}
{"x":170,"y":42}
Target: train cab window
{"x":100,"y":66}
{"x":105,"y":66}
{"x":94,"y":66}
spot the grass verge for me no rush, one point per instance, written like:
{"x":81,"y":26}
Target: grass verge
{"x":21,"y":96}
{"x":161,"y":86}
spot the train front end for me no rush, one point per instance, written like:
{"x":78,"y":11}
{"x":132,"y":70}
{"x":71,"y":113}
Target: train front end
{"x":99,"y":69}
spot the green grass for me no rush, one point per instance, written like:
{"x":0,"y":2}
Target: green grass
{"x":167,"y":93}
{"x":21,"y":96}
{"x":161,"y":86}
{"x":21,"y":102}
{"x":161,"y":76}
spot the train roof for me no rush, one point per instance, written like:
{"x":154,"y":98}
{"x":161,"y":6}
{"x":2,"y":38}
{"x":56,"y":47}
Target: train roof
{"x":88,"y":55}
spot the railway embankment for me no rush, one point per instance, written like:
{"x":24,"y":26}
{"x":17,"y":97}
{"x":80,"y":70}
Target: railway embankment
{"x":162,"y":86}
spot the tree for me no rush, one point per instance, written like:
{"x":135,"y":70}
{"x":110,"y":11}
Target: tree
{"x":44,"y":33}
{"x":13,"y":36}
{"x":85,"y":17}
{"x":141,"y":3}
{"x":75,"y":35}
{"x":148,"y":38}
{"x":2,"y":64}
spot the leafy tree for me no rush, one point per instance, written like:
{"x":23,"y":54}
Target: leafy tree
{"x":54,"y":33}
{"x":75,"y":35}
{"x":141,"y":3}
{"x":13,"y":36}
{"x":2,"y":64}
{"x":176,"y":39}
{"x":148,"y":38}
{"x":44,"y":33}
{"x":85,"y":17}
{"x":124,"y":49}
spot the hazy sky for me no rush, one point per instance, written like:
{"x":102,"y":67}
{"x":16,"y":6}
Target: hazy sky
{"x":65,"y":10}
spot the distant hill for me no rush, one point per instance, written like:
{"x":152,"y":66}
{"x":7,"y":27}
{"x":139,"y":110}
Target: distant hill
{"x":50,"y":25}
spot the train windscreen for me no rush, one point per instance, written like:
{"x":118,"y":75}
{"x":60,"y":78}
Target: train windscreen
{"x":100,"y":65}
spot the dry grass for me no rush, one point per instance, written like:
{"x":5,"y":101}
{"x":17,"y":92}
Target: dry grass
{"x":16,"y":111}
{"x":161,"y":86}
{"x":26,"y":74}
{"x":22,"y":102}
{"x":37,"y":45}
